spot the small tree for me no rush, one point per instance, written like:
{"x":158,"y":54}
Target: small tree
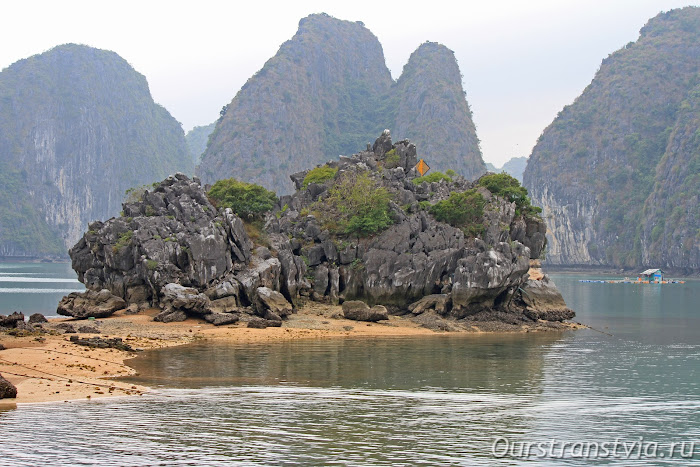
{"x":247,"y":200}
{"x":464,"y":210}
{"x":355,"y":205}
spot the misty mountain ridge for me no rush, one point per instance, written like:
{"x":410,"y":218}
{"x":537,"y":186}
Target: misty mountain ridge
{"x":617,"y":172}
{"x":327,"y":92}
{"x":78,"y":127}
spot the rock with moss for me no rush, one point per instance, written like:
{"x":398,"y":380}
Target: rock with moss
{"x":357,"y":229}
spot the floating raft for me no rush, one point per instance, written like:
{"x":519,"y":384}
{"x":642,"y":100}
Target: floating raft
{"x":627,"y":281}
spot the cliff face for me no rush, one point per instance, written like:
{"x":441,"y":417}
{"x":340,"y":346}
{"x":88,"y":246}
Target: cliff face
{"x":327,"y":92}
{"x":197,"y":139}
{"x":433,"y":111}
{"x":78,"y":127}
{"x":671,"y":222}
{"x":601,"y":161}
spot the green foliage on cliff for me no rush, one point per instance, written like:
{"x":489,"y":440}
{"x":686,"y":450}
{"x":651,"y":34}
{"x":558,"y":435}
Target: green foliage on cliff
{"x":355,"y":205}
{"x":464,"y":210}
{"x":432,"y":177}
{"x":319,"y":175}
{"x":328,"y":92}
{"x":509,"y":188}
{"x":599,"y":162}
{"x":246,"y":200}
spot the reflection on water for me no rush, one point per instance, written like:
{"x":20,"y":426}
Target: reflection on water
{"x":449,"y":362}
{"x":429,"y":400}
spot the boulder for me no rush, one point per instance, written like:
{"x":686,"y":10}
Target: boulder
{"x":66,"y":328}
{"x":360,"y":311}
{"x":440,"y":303}
{"x":221,"y":319}
{"x":542,"y":300}
{"x":7,"y":389}
{"x":170,"y":316}
{"x":12,"y":320}
{"x":186,"y":299}
{"x":262,"y":323}
{"x":37,"y":318}
{"x":272,"y":301}
{"x":88,"y":330}
{"x":90,"y":304}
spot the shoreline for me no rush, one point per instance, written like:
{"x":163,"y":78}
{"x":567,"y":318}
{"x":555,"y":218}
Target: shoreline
{"x":56,"y":370}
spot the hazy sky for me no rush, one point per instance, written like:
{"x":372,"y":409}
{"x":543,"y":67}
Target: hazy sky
{"x":522,"y":60}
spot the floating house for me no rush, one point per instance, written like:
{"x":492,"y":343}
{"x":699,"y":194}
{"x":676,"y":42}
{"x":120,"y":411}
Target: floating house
{"x":651,"y":275}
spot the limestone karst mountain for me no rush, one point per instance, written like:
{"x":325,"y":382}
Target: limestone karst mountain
{"x":327,"y":92}
{"x":78,"y":127}
{"x":616,"y":172}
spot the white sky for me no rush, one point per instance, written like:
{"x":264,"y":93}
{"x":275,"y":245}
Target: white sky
{"x":522,"y":60}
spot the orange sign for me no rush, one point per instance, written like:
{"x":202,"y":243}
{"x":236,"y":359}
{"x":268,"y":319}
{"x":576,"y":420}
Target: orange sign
{"x":422,"y":167}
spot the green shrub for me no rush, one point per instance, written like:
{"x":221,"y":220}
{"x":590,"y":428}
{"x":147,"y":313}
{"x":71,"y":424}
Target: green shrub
{"x":392,"y":159}
{"x":433,"y":177}
{"x":319,"y":175}
{"x":509,"y":188}
{"x":151,"y":264}
{"x":247,"y":200}
{"x":463,"y":210}
{"x":123,"y":240}
{"x":354,"y":206}
{"x":450,"y":173}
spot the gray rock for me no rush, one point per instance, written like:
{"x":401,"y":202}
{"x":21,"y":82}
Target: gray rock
{"x":7,"y":389}
{"x":90,"y":304}
{"x":261,"y":323}
{"x":360,"y":311}
{"x":440,"y":303}
{"x":66,"y":328}
{"x":221,"y":319}
{"x":170,"y":316}
{"x":12,"y":320}
{"x":88,"y":330}
{"x":224,"y":305}
{"x":272,"y":301}
{"x":37,"y":318}
{"x":543,"y":301}
{"x":186,"y":299}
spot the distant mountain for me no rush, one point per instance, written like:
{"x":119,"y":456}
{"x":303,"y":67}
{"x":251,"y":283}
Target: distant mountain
{"x":617,"y":171}
{"x":515,"y":167}
{"x":197,"y":139}
{"x":328,"y":92}
{"x":78,"y":127}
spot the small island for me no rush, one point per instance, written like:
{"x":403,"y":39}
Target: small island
{"x":365,"y":246}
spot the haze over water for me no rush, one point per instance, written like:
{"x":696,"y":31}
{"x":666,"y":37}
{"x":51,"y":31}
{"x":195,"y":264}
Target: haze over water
{"x":430,"y":400}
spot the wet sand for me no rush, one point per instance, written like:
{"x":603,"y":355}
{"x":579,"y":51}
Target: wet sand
{"x":55,"y":369}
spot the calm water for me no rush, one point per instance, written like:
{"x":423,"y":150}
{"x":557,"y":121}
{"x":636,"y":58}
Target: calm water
{"x":35,"y":287}
{"x":439,"y":400}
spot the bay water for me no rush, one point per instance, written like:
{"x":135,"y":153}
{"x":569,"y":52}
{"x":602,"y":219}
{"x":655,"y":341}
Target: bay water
{"x":35,"y":287}
{"x":625,"y":393}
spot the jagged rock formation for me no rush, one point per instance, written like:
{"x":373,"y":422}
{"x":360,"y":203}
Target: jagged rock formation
{"x":327,"y":92}
{"x":175,"y":250}
{"x":614,"y":172}
{"x":197,"y":139}
{"x":78,"y":127}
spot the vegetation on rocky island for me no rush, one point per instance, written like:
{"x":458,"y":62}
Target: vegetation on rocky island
{"x":247,"y":200}
{"x":319,"y":175}
{"x":355,"y":205}
{"x":509,"y":188}
{"x":463,"y":210}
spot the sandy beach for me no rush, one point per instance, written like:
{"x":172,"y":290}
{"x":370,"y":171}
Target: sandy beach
{"x":50,"y":368}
